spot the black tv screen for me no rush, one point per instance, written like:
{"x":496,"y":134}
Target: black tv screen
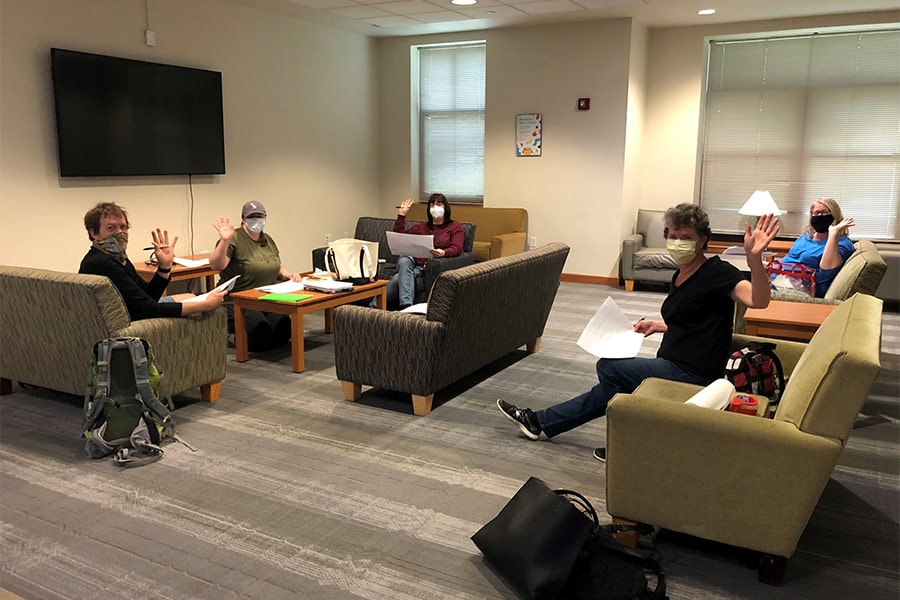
{"x":121,"y":117}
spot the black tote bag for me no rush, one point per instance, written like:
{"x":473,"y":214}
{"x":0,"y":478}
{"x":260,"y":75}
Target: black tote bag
{"x":534,"y":541}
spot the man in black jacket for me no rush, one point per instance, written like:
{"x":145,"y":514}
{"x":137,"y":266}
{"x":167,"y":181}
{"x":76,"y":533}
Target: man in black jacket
{"x":107,"y":227}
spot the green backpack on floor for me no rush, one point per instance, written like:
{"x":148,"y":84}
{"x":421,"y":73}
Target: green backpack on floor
{"x":123,"y":412}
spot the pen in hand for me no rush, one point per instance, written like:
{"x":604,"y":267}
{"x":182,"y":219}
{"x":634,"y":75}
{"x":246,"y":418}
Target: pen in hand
{"x":153,"y":248}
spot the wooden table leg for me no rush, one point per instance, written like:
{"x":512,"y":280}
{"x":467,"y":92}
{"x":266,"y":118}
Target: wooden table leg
{"x":240,"y":334}
{"x":329,"y":320}
{"x":297,"y":362}
{"x":210,"y":282}
{"x":381,"y":299}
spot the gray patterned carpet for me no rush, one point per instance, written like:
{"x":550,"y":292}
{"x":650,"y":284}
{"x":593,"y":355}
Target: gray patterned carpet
{"x":295,"y":493}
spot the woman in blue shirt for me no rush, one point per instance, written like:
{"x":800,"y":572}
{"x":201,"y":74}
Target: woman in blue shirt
{"x":825,"y":245}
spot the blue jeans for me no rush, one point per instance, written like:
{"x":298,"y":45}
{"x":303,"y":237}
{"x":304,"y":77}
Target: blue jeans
{"x":402,"y":285}
{"x":621,"y":375}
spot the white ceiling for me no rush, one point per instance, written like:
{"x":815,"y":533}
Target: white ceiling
{"x":413,"y":17}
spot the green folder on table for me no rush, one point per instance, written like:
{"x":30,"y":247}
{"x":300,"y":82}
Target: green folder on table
{"x":285,"y":297}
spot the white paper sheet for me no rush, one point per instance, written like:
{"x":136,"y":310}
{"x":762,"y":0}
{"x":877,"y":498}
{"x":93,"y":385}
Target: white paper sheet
{"x":227,"y":286}
{"x":610,"y":334}
{"x":326,"y":285}
{"x":187,"y":262}
{"x":410,"y":244}
{"x":285,"y":287}
{"x":419,"y":309}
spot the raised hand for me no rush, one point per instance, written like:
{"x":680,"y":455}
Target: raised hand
{"x":757,"y":240}
{"x":834,"y":228}
{"x":404,"y":207}
{"x":225,"y":228}
{"x":165,"y":251}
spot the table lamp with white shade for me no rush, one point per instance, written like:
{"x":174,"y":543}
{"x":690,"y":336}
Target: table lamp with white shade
{"x":760,"y":203}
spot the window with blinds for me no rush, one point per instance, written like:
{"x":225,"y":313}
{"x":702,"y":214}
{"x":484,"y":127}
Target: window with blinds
{"x":804,"y":117}
{"x":451,"y":121}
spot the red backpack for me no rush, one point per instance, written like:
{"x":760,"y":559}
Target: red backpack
{"x":756,"y":369}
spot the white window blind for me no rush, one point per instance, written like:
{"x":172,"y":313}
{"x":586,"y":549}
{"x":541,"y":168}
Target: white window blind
{"x":451,"y":121}
{"x":805,"y":117}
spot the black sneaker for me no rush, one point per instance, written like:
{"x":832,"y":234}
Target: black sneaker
{"x":523,"y":417}
{"x":600,"y":454}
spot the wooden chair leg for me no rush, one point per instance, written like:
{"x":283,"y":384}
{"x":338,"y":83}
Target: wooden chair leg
{"x":629,"y":285}
{"x":422,"y":404}
{"x":772,"y":569}
{"x":352,"y":391}
{"x":211,"y":391}
{"x":533,"y":346}
{"x":629,"y":539}
{"x":5,"y":386}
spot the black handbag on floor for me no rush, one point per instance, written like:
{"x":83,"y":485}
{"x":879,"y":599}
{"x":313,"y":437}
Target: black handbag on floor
{"x":537,"y":538}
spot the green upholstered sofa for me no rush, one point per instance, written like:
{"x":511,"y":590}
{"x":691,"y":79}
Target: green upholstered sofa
{"x":746,"y":481}
{"x":49,"y":322}
{"x":476,"y":314}
{"x":861,"y":273}
{"x":500,"y":231}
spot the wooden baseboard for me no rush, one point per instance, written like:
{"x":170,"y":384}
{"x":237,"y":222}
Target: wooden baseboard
{"x":595,"y":279}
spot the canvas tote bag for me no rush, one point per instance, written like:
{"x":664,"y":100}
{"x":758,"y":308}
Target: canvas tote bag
{"x":352,"y":260}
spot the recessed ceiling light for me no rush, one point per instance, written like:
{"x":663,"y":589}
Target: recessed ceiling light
{"x":707,"y":11}
{"x":463,"y":2}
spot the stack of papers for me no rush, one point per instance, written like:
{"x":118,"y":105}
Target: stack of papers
{"x":187,"y":262}
{"x":328,"y":286}
{"x":610,"y":334}
{"x":285,"y":287}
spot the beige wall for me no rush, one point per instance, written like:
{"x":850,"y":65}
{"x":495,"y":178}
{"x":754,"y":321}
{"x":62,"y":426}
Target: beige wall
{"x":576,"y":185}
{"x":637,"y":147}
{"x":300,"y":126}
{"x":317,"y":125}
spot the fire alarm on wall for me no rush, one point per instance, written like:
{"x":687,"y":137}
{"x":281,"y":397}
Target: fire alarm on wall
{"x":584,"y":104}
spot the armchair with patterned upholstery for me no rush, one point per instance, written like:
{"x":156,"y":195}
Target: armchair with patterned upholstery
{"x":374,"y":229}
{"x":50,"y":321}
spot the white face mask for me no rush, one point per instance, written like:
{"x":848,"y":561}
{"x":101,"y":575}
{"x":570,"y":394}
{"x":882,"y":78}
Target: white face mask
{"x":255,"y":225}
{"x":681,"y":251}
{"x":437,"y":212}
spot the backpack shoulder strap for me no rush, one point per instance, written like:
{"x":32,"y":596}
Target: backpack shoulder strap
{"x":98,"y":381}
{"x":142,"y":377}
{"x":769,"y":350}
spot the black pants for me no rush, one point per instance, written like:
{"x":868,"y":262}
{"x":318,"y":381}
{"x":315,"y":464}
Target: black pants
{"x":264,"y":330}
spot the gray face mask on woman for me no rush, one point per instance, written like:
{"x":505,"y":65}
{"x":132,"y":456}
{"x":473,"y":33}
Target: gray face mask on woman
{"x":256,"y":225}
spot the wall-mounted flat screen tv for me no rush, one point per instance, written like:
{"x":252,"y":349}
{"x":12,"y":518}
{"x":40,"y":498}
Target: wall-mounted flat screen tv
{"x":121,"y":117}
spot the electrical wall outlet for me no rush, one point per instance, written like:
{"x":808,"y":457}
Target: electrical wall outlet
{"x":534,"y":241}
{"x":327,"y":238}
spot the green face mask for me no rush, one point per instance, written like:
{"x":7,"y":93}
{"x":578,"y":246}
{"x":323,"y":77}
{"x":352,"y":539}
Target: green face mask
{"x":681,"y":251}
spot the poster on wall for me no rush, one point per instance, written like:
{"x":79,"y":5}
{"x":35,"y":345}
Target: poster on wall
{"x":528,"y":135}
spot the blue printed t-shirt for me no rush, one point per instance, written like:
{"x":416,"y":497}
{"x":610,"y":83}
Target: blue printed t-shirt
{"x":807,"y":251}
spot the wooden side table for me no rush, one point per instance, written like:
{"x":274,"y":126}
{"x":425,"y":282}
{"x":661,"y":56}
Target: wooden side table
{"x":787,"y":320}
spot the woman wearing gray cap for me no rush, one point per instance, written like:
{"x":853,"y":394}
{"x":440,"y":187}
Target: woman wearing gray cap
{"x":251,"y":253}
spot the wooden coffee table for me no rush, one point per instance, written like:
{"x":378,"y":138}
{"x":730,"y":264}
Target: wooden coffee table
{"x":249,"y":300}
{"x":787,"y":320}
